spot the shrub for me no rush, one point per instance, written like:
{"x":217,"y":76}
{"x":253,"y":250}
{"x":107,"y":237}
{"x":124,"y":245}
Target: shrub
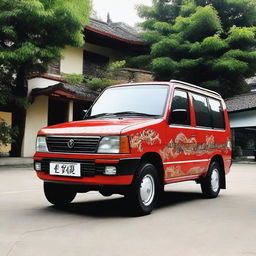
{"x":74,"y":78}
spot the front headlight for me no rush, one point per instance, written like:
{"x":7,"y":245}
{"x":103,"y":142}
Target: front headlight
{"x":114,"y":145}
{"x":41,"y":145}
{"x":109,"y":144}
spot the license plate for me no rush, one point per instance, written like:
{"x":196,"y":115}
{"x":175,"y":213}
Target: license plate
{"x":65,"y":169}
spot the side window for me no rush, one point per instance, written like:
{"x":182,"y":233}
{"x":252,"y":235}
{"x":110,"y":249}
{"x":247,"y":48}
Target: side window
{"x":203,"y":117}
{"x":180,"y":101}
{"x":217,"y":114}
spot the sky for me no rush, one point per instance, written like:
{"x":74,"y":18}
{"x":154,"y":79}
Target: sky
{"x":119,"y":10}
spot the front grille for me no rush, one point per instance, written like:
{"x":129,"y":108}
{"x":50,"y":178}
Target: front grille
{"x":88,"y":167}
{"x":85,"y":144}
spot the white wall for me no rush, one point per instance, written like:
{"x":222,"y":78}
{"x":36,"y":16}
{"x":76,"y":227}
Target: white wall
{"x":72,"y":61}
{"x":37,"y":117}
{"x":39,"y":82}
{"x":243,"y":119}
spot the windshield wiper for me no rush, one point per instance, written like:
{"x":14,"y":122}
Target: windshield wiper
{"x":133,"y":113}
{"x":98,"y":115}
{"x":125,"y":113}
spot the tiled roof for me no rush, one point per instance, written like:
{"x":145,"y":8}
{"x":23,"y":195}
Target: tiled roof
{"x":119,"y":31}
{"x":241,"y":102}
{"x":69,"y":91}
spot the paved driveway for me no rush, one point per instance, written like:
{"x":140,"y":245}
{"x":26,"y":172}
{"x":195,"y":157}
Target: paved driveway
{"x":183,"y":224}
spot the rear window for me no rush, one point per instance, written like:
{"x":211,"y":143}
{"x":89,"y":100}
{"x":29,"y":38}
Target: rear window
{"x":203,"y":117}
{"x":217,"y":114}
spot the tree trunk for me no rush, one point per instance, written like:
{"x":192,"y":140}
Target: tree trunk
{"x":19,"y":112}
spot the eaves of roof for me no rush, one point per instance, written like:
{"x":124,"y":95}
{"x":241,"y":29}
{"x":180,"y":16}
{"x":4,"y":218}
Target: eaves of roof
{"x":241,"y":102}
{"x":114,"y":31}
{"x":65,"y":90}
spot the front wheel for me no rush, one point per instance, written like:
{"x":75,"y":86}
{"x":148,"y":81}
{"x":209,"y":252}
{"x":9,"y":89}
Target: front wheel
{"x":58,"y":194}
{"x":210,"y":185}
{"x":144,"y":190}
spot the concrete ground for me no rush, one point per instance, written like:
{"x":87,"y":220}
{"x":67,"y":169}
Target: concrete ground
{"x":183,"y":224}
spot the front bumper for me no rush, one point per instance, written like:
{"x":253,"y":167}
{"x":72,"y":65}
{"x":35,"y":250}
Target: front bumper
{"x":92,"y":171}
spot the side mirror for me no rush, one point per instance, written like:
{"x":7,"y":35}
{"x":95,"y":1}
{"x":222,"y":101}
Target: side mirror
{"x":179,"y":116}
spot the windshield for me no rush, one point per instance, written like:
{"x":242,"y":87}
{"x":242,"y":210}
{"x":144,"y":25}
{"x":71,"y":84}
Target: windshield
{"x":138,"y":100}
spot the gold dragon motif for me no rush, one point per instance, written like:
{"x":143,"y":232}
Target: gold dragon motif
{"x":148,"y":136}
{"x":180,"y":144}
{"x":189,"y":146}
{"x":176,"y":171}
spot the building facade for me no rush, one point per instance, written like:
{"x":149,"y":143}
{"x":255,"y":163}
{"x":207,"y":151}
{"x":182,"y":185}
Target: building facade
{"x":242,"y":115}
{"x":53,"y":99}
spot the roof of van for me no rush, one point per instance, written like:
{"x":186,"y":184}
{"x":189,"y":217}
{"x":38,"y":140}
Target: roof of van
{"x":168,"y":83}
{"x":195,"y":86}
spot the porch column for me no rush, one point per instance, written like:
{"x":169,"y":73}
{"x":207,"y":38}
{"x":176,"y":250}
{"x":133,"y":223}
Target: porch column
{"x":70,"y":111}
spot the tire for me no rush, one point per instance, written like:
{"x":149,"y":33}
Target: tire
{"x":145,"y":190}
{"x":210,"y":185}
{"x":58,"y":194}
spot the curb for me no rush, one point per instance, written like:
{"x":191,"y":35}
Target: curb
{"x":16,"y":162}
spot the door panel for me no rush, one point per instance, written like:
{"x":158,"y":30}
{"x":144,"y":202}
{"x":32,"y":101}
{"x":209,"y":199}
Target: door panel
{"x":181,"y":145}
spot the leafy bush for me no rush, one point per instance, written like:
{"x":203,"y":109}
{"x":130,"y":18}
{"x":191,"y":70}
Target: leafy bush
{"x":7,"y":133}
{"x":98,"y":84}
{"x":74,"y":78}
{"x":107,"y":78}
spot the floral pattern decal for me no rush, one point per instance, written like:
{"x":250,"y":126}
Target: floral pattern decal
{"x":191,"y":147}
{"x":176,"y":171}
{"x":148,"y":136}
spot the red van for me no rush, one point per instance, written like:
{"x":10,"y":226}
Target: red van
{"x":135,"y":139}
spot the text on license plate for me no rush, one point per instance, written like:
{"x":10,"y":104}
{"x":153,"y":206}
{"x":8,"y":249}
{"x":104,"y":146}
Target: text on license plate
{"x":65,"y":169}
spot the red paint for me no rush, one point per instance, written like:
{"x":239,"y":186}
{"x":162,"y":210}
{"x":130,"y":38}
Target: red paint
{"x":38,"y":158}
{"x":106,"y":161}
{"x":102,"y":180}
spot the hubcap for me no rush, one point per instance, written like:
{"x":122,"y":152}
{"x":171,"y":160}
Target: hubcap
{"x":147,"y":190}
{"x":215,"y":180}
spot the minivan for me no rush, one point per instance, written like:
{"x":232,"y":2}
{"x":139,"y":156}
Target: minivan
{"x":135,"y":139}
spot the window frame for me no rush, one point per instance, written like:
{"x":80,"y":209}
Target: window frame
{"x":210,"y":112}
{"x":222,"y":111}
{"x":189,"y":107}
{"x":208,"y":106}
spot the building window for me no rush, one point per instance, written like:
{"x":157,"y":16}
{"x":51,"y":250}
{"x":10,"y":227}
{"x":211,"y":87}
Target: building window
{"x":94,"y":64}
{"x":54,"y":67}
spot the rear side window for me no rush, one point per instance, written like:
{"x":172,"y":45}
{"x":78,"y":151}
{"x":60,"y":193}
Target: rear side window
{"x":203,"y":117}
{"x":217,"y":114}
{"x":180,"y":101}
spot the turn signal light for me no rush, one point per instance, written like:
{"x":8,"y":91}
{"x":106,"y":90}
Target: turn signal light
{"x":124,"y":145}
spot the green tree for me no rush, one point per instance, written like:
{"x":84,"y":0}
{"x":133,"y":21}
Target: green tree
{"x":32,"y":34}
{"x":210,"y":43}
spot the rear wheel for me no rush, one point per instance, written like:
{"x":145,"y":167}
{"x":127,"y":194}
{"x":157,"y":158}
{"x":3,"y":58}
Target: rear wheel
{"x":144,"y":190}
{"x":59,"y":194}
{"x":210,"y":185}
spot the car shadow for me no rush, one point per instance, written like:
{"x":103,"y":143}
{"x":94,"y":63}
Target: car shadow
{"x":119,"y":207}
